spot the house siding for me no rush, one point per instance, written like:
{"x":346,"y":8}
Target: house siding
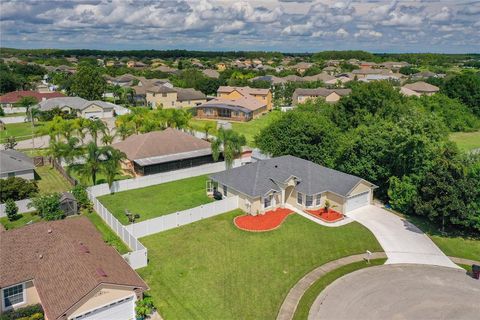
{"x":31,"y":297}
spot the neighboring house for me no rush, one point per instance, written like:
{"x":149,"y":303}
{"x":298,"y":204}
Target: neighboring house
{"x":262,"y":95}
{"x":221,"y":66}
{"x":125,"y":80}
{"x":394,"y":65}
{"x":424,"y":75}
{"x":378,"y":77}
{"x":329,"y":95}
{"x":362,"y":73}
{"x":268,"y":184}
{"x":214,"y":74}
{"x":421,"y":87}
{"x":165,"y":69}
{"x":83,"y":108}
{"x":9,"y":99}
{"x":67,"y":268}
{"x":236,"y":103}
{"x":136,"y":64}
{"x":160,"y":151}
{"x":330,"y":70}
{"x":146,"y":84}
{"x":16,"y":164}
{"x":365,"y":65}
{"x":171,"y":97}
{"x":408,"y":92}
{"x":325,"y":77}
{"x":301,"y":67}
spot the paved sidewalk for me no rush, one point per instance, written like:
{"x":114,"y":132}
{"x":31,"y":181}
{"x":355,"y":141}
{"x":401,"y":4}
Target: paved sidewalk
{"x":340,"y":223}
{"x":402,"y":241}
{"x":289,"y":305}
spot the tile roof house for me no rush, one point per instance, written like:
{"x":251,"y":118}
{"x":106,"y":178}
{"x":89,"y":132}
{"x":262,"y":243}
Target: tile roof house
{"x":160,"y":151}
{"x":236,"y":103}
{"x":83,"y":108}
{"x":301,"y":95}
{"x":16,"y":164}
{"x":67,"y":268}
{"x":287,"y":180}
{"x":422,"y":88}
{"x":211,"y":73}
{"x":10,"y":98}
{"x":172,"y":97}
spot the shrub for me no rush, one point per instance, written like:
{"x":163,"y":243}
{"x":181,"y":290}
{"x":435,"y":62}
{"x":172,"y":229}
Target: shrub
{"x":17,"y":189}
{"x":11,"y":209}
{"x":2,"y":113}
{"x":144,"y":307}
{"x":80,"y":193}
{"x":48,"y":206}
{"x":33,"y":312}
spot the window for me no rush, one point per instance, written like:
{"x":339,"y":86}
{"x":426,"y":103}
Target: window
{"x":299,"y":198}
{"x":13,"y":296}
{"x":225,"y":191}
{"x":308,"y":201}
{"x":267,"y":201}
{"x":11,"y":174}
{"x":318,"y":199}
{"x":164,"y":95}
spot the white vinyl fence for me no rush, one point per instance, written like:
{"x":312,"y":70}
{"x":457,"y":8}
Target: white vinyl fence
{"x":138,"y":257}
{"x":154,"y":179}
{"x":22,"y":207}
{"x":181,"y":218}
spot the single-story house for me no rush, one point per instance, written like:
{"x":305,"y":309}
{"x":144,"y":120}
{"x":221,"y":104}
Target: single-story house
{"x":301,"y":67}
{"x":268,"y":184}
{"x":421,"y":87}
{"x":301,"y":95}
{"x":16,"y":164}
{"x":160,"y":151}
{"x":9,"y":99}
{"x":244,"y":108}
{"x":125,"y":80}
{"x":211,"y":73}
{"x":67,"y":268}
{"x":83,"y":108}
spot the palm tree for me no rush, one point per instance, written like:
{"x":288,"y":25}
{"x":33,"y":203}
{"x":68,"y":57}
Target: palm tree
{"x":81,"y":125}
{"x":55,"y":150}
{"x":95,"y":127}
{"x":93,"y":162}
{"x":208,"y":127}
{"x":124,"y":130}
{"x":107,"y":137}
{"x":112,"y":164}
{"x":231,"y":143}
{"x":71,"y":150}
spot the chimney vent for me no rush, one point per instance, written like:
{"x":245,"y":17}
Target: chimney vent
{"x":49,"y":230}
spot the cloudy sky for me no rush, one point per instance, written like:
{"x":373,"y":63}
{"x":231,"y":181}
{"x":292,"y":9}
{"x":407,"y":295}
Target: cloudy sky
{"x":283,"y":25}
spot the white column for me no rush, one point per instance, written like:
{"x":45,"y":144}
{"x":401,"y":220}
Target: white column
{"x":283,"y":198}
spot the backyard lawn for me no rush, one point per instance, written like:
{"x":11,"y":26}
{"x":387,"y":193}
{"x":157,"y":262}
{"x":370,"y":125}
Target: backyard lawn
{"x":248,"y":129}
{"x":20,"y":131}
{"x":158,"y":200}
{"x":50,"y":180}
{"x":212,"y":270}
{"x":466,"y":140}
{"x":22,"y":220}
{"x":100,"y":178}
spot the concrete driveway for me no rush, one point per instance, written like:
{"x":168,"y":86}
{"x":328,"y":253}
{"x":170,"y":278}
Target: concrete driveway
{"x":402,"y":241}
{"x":400,"y":292}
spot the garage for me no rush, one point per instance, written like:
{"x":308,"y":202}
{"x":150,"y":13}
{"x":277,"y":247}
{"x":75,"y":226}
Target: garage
{"x":123,"y":309}
{"x":97,"y":114}
{"x":357,"y":201}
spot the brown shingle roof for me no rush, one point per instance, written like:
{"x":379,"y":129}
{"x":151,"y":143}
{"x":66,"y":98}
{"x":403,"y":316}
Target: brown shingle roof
{"x":160,"y":143}
{"x":421,"y":86}
{"x":243,"y":90}
{"x":245,"y":102}
{"x":187,"y":94}
{"x":49,"y":253}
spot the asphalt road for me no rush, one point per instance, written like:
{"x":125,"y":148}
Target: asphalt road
{"x":400,"y":292}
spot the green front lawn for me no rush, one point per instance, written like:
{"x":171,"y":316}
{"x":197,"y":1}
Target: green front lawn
{"x":21,"y":131}
{"x":50,"y":180}
{"x":22,"y":219}
{"x":212,"y":270}
{"x":158,"y":200}
{"x":312,"y":293}
{"x":466,"y":140}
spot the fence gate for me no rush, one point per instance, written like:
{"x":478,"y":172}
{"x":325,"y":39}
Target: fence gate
{"x":38,"y":161}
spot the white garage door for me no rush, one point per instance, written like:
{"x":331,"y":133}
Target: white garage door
{"x":98,"y":114}
{"x":119,"y":310}
{"x":357,"y":201}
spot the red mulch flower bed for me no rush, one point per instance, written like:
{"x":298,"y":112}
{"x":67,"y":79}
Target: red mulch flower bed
{"x":268,"y":221}
{"x":330,"y":216}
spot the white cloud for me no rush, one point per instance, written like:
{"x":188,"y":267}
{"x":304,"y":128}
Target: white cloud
{"x":368,"y":34}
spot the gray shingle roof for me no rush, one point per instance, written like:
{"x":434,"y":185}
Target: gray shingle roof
{"x":76,"y":103}
{"x":13,"y":161}
{"x":258,"y":178}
